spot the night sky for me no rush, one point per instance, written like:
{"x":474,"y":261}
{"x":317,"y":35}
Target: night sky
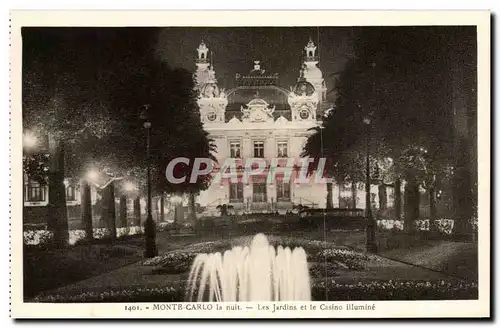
{"x":95,"y":53}
{"x":280,"y":50}
{"x":92,"y":52}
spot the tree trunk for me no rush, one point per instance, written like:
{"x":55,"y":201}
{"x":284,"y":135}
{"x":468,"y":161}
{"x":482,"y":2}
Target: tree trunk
{"x":123,"y":211}
{"x":397,"y":198}
{"x":382,"y":196}
{"x":432,"y":208}
{"x":412,"y":202}
{"x":463,"y":198}
{"x":137,"y":211}
{"x":109,"y":210}
{"x":155,"y":208}
{"x":177,"y":215}
{"x":192,"y":207}
{"x":103,"y":222}
{"x":340,"y":196}
{"x":86,"y":200}
{"x":162,"y":207}
{"x":329,"y":189}
{"x":58,"y":213}
{"x":354,"y":191}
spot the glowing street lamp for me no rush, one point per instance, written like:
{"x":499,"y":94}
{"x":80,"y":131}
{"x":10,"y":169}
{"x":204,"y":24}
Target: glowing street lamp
{"x":176,"y":200}
{"x":92,"y":175}
{"x":30,"y":140}
{"x":129,"y":186}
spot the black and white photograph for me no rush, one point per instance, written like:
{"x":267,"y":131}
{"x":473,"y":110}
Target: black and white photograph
{"x":251,"y":168}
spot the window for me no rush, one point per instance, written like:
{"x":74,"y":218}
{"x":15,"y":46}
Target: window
{"x":282,"y":149}
{"x":235,"y":149}
{"x":236,"y":192}
{"x":283,"y":191}
{"x":70,"y":193}
{"x":34,"y":192}
{"x":258,"y":149}
{"x":259,"y":192}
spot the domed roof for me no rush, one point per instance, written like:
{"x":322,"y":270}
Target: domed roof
{"x":272,"y":96}
{"x":312,"y":71}
{"x":257,"y":101}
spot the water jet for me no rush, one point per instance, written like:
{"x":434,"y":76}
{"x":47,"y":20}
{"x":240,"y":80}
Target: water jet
{"x":258,"y":272}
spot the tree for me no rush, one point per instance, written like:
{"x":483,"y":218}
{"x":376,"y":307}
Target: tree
{"x":396,"y":78}
{"x":57,"y":106}
{"x":176,"y":129}
{"x":87,"y":99}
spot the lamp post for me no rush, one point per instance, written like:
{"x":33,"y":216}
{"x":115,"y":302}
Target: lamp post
{"x":371,"y":246}
{"x":149,"y":229}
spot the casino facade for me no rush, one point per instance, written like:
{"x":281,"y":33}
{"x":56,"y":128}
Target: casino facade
{"x":260,"y":118}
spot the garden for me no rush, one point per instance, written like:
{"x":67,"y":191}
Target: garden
{"x":337,"y":272}
{"x":47,"y":267}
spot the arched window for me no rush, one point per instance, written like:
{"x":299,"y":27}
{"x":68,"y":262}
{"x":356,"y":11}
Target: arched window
{"x":202,"y":55}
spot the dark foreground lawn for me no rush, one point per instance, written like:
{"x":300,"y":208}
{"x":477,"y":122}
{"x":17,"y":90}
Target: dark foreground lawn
{"x":47,"y":268}
{"x":453,"y":258}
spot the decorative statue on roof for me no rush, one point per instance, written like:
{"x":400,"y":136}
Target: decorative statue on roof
{"x":257,"y":110}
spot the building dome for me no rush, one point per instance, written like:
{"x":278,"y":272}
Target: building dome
{"x":257,"y":102}
{"x":273,"y":96}
{"x":312,"y":72}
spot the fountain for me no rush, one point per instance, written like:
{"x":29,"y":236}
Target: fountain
{"x":245,"y":274}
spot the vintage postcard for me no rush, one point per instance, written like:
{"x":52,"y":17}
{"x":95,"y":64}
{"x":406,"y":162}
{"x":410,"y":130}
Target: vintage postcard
{"x":260,"y":164}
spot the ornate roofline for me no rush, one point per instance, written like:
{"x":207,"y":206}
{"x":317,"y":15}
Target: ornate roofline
{"x":247,"y":87}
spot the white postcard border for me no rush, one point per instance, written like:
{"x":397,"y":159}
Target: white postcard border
{"x":384,"y":309}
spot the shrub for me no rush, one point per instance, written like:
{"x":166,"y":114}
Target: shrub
{"x":37,"y":237}
{"x":353,"y":260}
{"x":443,"y":225}
{"x":135,"y":293}
{"x":317,"y":270}
{"x":42,"y":237}
{"x":388,"y":224}
{"x":362,"y":291}
{"x":395,"y":290}
{"x":165,"y":226}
